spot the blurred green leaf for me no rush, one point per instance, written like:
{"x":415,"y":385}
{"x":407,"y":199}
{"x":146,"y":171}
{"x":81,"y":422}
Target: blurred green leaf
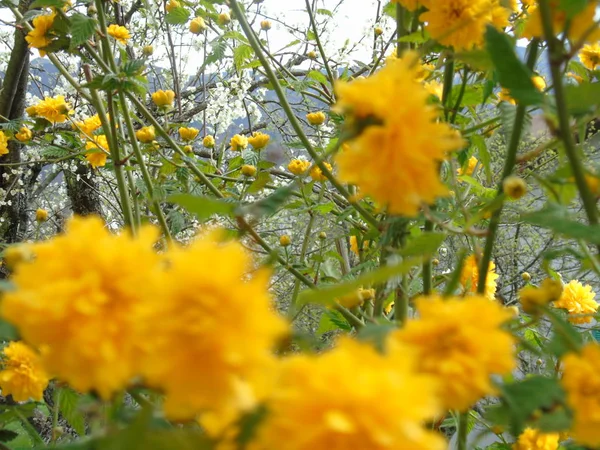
{"x":557,"y":219}
{"x":203,"y":207}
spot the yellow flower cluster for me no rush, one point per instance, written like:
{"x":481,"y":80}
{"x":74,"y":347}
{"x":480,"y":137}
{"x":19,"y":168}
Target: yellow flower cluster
{"x":24,"y":135}
{"x":577,"y":299}
{"x":469,"y":277}
{"x":447,"y":339}
{"x":532,"y":439}
{"x":22,"y":374}
{"x":400,"y":138}
{"x":581,"y":381}
{"x":317,"y":174}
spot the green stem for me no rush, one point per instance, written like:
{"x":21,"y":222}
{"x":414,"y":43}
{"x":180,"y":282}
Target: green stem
{"x":448,"y":81}
{"x":319,"y":45}
{"x":292,"y":117}
{"x":509,"y":163}
{"x":401,"y":30}
{"x":461,"y":94}
{"x":555,"y":62}
{"x":401,"y":303}
{"x":463,"y":422}
{"x":427,"y":268}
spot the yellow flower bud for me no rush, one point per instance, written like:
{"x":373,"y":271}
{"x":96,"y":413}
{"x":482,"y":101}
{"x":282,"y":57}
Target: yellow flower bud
{"x":198,"y":26}
{"x":172,"y":5}
{"x":148,"y":50}
{"x":259,"y":140}
{"x":351,"y":300}
{"x":298,"y":166}
{"x":322,"y":235}
{"x":311,"y":55}
{"x":208,"y":141}
{"x":188,"y":149}
{"x":316,"y":118}
{"x":285,"y":240}
{"x":435,"y":261}
{"x":514,"y":187}
{"x":24,"y":134}
{"x":378,"y":31}
{"x":41,"y":215}
{"x":317,"y":175}
{"x":163,"y":99}
{"x":248,"y":171}
{"x":224,"y":19}
{"x":145,"y":134}
{"x":367,"y":294}
{"x":525,"y":276}
{"x":188,"y":134}
{"x":539,"y":82}
{"x":265,"y":25}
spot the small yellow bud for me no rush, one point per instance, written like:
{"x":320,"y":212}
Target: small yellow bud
{"x":172,"y":5}
{"x":539,"y":362}
{"x":265,"y":25}
{"x":285,"y":240}
{"x":514,"y":187}
{"x":435,"y":262}
{"x":311,"y":55}
{"x":378,"y":31}
{"x":92,"y":9}
{"x":322,"y":235}
{"x":208,"y":141}
{"x":147,"y":50}
{"x":198,"y":26}
{"x":41,"y":215}
{"x":525,"y":276}
{"x":224,"y":19}
{"x":316,"y":118}
{"x":188,"y":149}
{"x":249,"y":171}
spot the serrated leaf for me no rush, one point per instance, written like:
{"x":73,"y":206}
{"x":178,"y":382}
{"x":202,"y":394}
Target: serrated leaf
{"x":177,"y":16}
{"x":484,"y":155}
{"x":241,"y":54}
{"x":203,"y":207}
{"x":82,"y":29}
{"x":332,"y":320}
{"x":67,"y":400}
{"x":324,"y":12}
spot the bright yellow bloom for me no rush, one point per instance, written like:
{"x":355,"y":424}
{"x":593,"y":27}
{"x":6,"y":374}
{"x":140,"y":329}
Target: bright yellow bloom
{"x":578,"y":25}
{"x":539,"y":82}
{"x":316,"y":118}
{"x":265,"y":25}
{"x":469,"y":277}
{"x":118,"y":32}
{"x":434,"y":88}
{"x":470,"y":167}
{"x":163,"y":99}
{"x":298,"y":166}
{"x":577,"y":299}
{"x":38,"y":37}
{"x":316,"y":173}
{"x":462,"y":23}
{"x":447,"y":338}
{"x":22,"y":374}
{"x":89,"y":125}
{"x":188,"y":134}
{"x":97,"y":151}
{"x":259,"y":140}
{"x":172,"y":5}
{"x":402,"y":140}
{"x":574,"y":76}
{"x":531,"y":439}
{"x":350,"y":397}
{"x":198,"y":26}
{"x":85,"y":317}
{"x":351,"y":300}
{"x":145,"y":134}
{"x":3,"y":143}
{"x":238,"y":143}
{"x":201,"y":364}
{"x":248,"y":170}
{"x":41,"y":215}
{"x":532,"y":298}
{"x":223,"y":19}
{"x":24,"y":134}
{"x":354,"y":245}
{"x":54,"y":110}
{"x":208,"y":141}
{"x":581,"y":381}
{"x":31,"y":111}
{"x":590,"y":56}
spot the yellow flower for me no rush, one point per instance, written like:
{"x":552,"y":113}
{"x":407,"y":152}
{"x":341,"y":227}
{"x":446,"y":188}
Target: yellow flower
{"x":469,"y":277}
{"x":578,"y":25}
{"x":539,"y":82}
{"x":462,"y":23}
{"x":265,"y":25}
{"x":41,"y":215}
{"x":574,"y":76}
{"x":248,"y":170}
{"x":24,"y":134}
{"x":581,"y":381}
{"x":504,"y":96}
{"x":298,"y":166}
{"x":434,"y":88}
{"x":188,"y":134}
{"x":172,"y":5}
{"x":532,"y":298}
{"x":577,"y":299}
{"x":350,"y":397}
{"x":223,"y":19}
{"x":163,"y":99}
{"x":316,"y":118}
{"x":531,"y":439}
{"x":3,"y":143}
{"x":514,"y":187}
{"x":198,"y":26}
{"x":31,"y":111}
{"x":402,"y":140}
{"x":354,"y":245}
{"x":311,"y":55}
{"x":593,"y":183}
{"x":470,"y":167}
{"x":351,"y":300}
{"x":38,"y":37}
{"x":590,"y":56}
{"x":97,"y":151}
{"x":238,"y":143}
{"x":285,"y":240}
{"x":316,"y":173}
{"x":85,"y":317}
{"x":118,"y":32}
{"x":259,"y":140}
{"x":145,"y":134}
{"x":148,"y":50}
{"x":54,"y":110}
{"x":89,"y":125}
{"x":447,"y":339}
{"x":202,"y":364}
{"x":208,"y":141}
{"x":378,"y":31}
{"x":22,"y":374}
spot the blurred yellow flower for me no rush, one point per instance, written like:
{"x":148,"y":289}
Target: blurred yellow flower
{"x":316,"y":118}
{"x":41,"y":215}
{"x":248,"y":170}
{"x":172,"y":5}
{"x":539,"y":82}
{"x":354,"y":245}
{"x":298,"y":166}
{"x":198,"y":26}
{"x":532,"y":439}
{"x":119,"y":32}
{"x":447,"y":339}
{"x":188,"y":134}
{"x":259,"y":140}
{"x":38,"y":37}
{"x":317,"y":175}
{"x":265,"y":25}
{"x":238,"y":143}
{"x":285,"y":240}
{"x":504,"y":96}
{"x":54,"y":110}
{"x":89,"y":125}
{"x":469,"y":277}
{"x":470,"y":167}
{"x":31,"y":111}
{"x":514,"y":187}
{"x":350,"y":397}
{"x":97,"y":151}
{"x":208,"y":141}
{"x":401,"y":141}
{"x":532,"y":297}
{"x":223,"y":19}
{"x":3,"y":143}
{"x":581,"y":381}
{"x":577,"y":298}
{"x":145,"y":134}
{"x":578,"y":26}
{"x":163,"y":99}
{"x":22,"y":374}
{"x":435,"y":88}
{"x":590,"y":55}
{"x":85,"y":318}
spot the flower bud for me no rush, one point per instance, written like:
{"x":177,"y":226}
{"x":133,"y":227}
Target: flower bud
{"x":311,"y":55}
{"x":224,"y":19}
{"x":249,"y":171}
{"x":285,"y":240}
{"x":525,"y":276}
{"x":148,"y":50}
{"x":378,"y":31}
{"x":322,"y":235}
{"x":514,"y":187}
{"x":41,"y":215}
{"x":265,"y":25}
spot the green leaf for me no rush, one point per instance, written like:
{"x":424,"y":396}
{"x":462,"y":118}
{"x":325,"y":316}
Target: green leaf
{"x":202,"y":207}
{"x":557,"y":219}
{"x":472,"y":96}
{"x":82,"y":29}
{"x":425,"y":244}
{"x":573,"y":7}
{"x":67,"y":400}
{"x":241,"y":54}
{"x":7,"y":331}
{"x":47,"y":3}
{"x":324,"y":12}
{"x":218,"y":47}
{"x":582,"y":98}
{"x":332,"y":320}
{"x":317,"y":76}
{"x":418,"y":37}
{"x":512,"y":73}
{"x":376,"y":334}
{"x":262,"y":179}
{"x":479,"y":59}
{"x":484,"y":155}
{"x":177,"y":16}
{"x":269,"y":205}
{"x":7,"y":435}
{"x":326,"y":295}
